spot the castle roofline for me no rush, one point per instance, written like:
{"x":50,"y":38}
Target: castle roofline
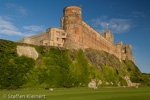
{"x":72,"y":7}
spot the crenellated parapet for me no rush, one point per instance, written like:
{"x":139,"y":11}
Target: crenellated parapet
{"x":108,"y":36}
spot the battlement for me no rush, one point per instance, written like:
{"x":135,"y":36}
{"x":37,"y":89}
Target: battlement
{"x":108,"y":36}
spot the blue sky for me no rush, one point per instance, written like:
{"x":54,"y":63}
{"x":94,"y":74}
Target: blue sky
{"x":129,"y":21}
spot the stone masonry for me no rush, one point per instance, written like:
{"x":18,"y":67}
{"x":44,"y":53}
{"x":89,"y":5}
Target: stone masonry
{"x":74,"y":33}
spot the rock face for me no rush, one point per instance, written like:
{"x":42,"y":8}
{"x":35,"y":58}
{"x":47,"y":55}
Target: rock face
{"x":129,"y":82}
{"x":99,"y":83}
{"x":27,"y":51}
{"x":107,"y":83}
{"x":92,"y":84}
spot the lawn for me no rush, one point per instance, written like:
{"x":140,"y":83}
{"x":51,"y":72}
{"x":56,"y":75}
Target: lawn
{"x":141,"y":93}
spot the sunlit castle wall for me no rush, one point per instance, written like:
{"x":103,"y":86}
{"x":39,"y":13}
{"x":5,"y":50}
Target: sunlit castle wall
{"x":80,"y":35}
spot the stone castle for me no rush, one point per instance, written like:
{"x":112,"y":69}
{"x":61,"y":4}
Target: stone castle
{"x":74,"y":33}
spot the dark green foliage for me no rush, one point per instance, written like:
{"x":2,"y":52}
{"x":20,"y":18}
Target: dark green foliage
{"x":12,"y":68}
{"x":7,"y":49}
{"x":13,"y":71}
{"x":110,"y":75}
{"x":58,"y":62}
{"x":59,"y":71}
{"x":135,"y":74}
{"x":54,"y":71}
{"x":79,"y":71}
{"x":58,"y":57}
{"x":40,"y":49}
{"x":146,"y":79}
{"x":122,"y":81}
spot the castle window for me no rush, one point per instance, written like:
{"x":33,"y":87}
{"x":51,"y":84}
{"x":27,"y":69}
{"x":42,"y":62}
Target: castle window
{"x":74,"y":10}
{"x":59,"y":45}
{"x":80,"y":12}
{"x":63,"y":34}
{"x":57,"y":38}
{"x":57,"y":33}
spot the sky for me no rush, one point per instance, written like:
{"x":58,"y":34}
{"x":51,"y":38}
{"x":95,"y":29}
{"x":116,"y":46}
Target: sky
{"x":128,"y":20}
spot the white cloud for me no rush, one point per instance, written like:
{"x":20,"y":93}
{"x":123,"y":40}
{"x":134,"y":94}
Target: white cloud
{"x":8,"y":18}
{"x":116,"y":25}
{"x":10,"y":32}
{"x":17,"y":8}
{"x":120,"y":25}
{"x":6,"y":24}
{"x":22,"y":10}
{"x":138,"y":14}
{"x":98,"y":21}
{"x":34,"y":28}
{"x":8,"y":28}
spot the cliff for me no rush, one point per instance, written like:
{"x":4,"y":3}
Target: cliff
{"x":58,"y":67}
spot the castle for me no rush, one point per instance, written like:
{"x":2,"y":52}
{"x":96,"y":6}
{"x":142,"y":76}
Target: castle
{"x":74,"y":33}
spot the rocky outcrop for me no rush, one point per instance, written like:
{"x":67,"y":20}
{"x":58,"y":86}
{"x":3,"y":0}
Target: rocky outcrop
{"x":99,"y":83}
{"x":92,"y":84}
{"x":27,"y":51}
{"x":129,"y":82}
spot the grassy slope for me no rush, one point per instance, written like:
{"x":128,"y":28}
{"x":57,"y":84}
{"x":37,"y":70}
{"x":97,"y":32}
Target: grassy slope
{"x":141,"y":93}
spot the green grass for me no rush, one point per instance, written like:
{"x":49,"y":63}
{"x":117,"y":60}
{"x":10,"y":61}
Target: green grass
{"x":142,"y":93}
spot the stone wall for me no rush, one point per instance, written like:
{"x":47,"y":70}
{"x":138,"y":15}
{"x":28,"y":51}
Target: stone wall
{"x":93,"y":39}
{"x":56,"y":36}
{"x":35,"y":39}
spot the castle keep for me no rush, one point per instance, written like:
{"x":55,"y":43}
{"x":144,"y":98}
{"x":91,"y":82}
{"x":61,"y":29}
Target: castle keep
{"x":74,"y":33}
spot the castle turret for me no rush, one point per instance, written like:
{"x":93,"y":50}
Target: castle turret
{"x":73,"y":27}
{"x":127,"y":52}
{"x":108,"y":36}
{"x":118,"y":49}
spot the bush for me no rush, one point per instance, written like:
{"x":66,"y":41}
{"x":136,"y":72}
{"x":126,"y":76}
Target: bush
{"x":12,"y":68}
{"x":54,"y":71}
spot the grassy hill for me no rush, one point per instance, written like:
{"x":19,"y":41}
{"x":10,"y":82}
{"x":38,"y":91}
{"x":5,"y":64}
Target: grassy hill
{"x":58,"y":67}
